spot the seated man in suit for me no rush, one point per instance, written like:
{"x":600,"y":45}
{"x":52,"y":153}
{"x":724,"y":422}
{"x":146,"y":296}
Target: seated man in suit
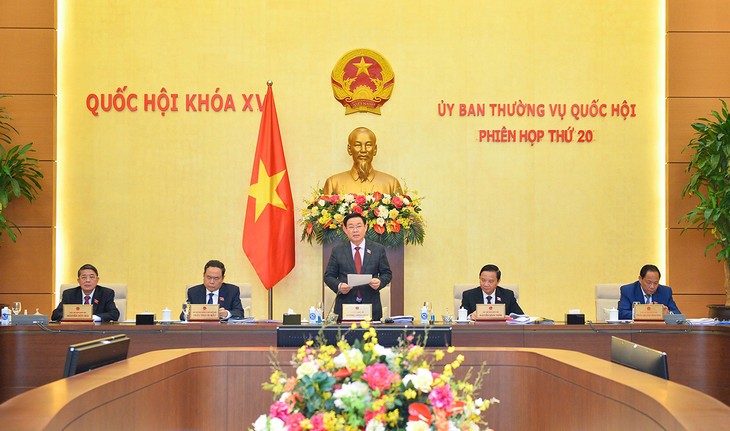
{"x":89,"y":292}
{"x":357,"y":257}
{"x":646,"y":290}
{"x":488,"y":292}
{"x":215,"y":291}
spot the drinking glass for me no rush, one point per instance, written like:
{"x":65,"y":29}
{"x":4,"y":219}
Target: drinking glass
{"x":16,"y":307}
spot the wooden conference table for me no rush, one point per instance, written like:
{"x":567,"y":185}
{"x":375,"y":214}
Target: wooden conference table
{"x":32,"y":356}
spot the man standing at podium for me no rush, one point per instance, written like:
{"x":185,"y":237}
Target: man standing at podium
{"x":215,"y":291}
{"x":357,"y":257}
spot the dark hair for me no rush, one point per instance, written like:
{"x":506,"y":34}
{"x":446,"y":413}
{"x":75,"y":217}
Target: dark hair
{"x":352,"y":216}
{"x":491,"y":268}
{"x":87,"y":266}
{"x":649,"y":268}
{"x":215,"y":264}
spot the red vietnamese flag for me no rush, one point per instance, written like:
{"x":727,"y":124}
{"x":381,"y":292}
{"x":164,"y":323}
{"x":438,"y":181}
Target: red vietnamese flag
{"x":268,"y":230}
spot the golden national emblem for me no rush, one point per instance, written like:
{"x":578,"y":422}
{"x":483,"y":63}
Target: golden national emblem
{"x":362,"y":81}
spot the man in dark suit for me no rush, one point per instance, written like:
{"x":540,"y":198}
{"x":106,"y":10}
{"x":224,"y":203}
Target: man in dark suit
{"x":215,"y":291}
{"x":357,"y":257}
{"x":89,"y":292}
{"x":489,"y":292}
{"x":646,"y":290}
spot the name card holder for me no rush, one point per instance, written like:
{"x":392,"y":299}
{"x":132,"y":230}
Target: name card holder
{"x":204,"y":313}
{"x":648,"y":312}
{"x":356,"y":312}
{"x":489,"y":312}
{"x":78,"y":313}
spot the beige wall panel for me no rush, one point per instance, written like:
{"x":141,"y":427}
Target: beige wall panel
{"x":44,"y":302}
{"x":681,"y":113}
{"x":697,"y":65}
{"x":35,"y":119}
{"x":698,"y":15}
{"x":696,"y":305}
{"x":27,"y":266}
{"x":29,"y":61}
{"x":41,"y":212}
{"x":677,"y":206}
{"x":28,"y":13}
{"x":690,"y":271}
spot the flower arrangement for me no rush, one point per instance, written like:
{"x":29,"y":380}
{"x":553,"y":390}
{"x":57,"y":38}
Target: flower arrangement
{"x":393,"y":220}
{"x":366,"y":386}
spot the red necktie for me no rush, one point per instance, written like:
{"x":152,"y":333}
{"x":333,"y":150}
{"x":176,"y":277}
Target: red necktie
{"x":87,"y":299}
{"x":358,"y":260}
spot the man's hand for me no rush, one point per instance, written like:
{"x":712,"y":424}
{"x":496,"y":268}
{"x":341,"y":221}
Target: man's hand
{"x":344,"y":288}
{"x":375,"y":283}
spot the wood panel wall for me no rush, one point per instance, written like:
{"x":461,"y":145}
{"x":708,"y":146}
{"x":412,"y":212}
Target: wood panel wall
{"x":28,"y":75}
{"x":698,"y":40}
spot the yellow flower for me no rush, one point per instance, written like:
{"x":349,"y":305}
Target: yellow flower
{"x":438,"y":354}
{"x":410,"y":394}
{"x":451,"y":349}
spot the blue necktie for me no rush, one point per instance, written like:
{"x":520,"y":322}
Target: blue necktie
{"x":210,"y":298}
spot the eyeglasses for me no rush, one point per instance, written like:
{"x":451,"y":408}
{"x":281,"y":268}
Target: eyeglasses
{"x":88,"y":277}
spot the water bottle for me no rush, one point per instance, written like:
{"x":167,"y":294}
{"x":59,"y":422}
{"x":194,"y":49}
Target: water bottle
{"x":5,"y":316}
{"x":312,"y":315}
{"x":319,"y":313}
{"x":424,"y":314}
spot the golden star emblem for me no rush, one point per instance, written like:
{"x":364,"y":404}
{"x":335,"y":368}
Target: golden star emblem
{"x":362,"y":67}
{"x":264,"y":190}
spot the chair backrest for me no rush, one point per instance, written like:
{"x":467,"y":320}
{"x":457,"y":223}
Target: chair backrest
{"x":329,"y":299}
{"x":607,"y":296}
{"x":245,"y":294}
{"x":460,"y":288}
{"x":120,"y":296}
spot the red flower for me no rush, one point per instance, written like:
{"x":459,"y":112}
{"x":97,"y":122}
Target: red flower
{"x":334,"y":199}
{"x":379,"y":229}
{"x":370,"y":414}
{"x":329,"y":222}
{"x":360,"y":199}
{"x":419,"y":412}
{"x":397,"y":202}
{"x":293,"y":422}
{"x":377,"y":196}
{"x":357,"y":209}
{"x":394,"y":226}
{"x":342,"y":373}
{"x":378,"y":376}
{"x":310,"y":228}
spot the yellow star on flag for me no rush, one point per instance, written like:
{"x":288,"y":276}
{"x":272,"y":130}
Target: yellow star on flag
{"x":264,"y":190}
{"x":362,"y":67}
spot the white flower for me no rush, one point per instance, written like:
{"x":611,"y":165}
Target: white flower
{"x":406,"y":201}
{"x":417,"y":426}
{"x":307,"y":369}
{"x":351,"y":391}
{"x":348,"y":198}
{"x":383,"y":211}
{"x":422,"y":380}
{"x":351,"y":359}
{"x":380,"y":221}
{"x":384,"y":351}
{"x":375,"y":425}
{"x":263,"y":423}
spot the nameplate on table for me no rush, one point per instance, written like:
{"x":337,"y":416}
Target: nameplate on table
{"x":357,"y":312}
{"x":78,"y":313}
{"x":489,"y":312}
{"x":649,"y":312}
{"x":204,"y":313}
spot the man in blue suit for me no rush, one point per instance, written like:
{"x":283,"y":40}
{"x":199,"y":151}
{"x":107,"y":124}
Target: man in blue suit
{"x":357,"y":257}
{"x":215,"y":291}
{"x":646,"y":290}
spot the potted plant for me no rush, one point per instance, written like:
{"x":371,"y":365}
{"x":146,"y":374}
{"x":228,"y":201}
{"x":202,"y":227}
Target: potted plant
{"x":19,"y":174}
{"x":710,"y":183}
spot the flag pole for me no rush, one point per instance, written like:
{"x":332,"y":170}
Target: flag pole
{"x":270,"y":83}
